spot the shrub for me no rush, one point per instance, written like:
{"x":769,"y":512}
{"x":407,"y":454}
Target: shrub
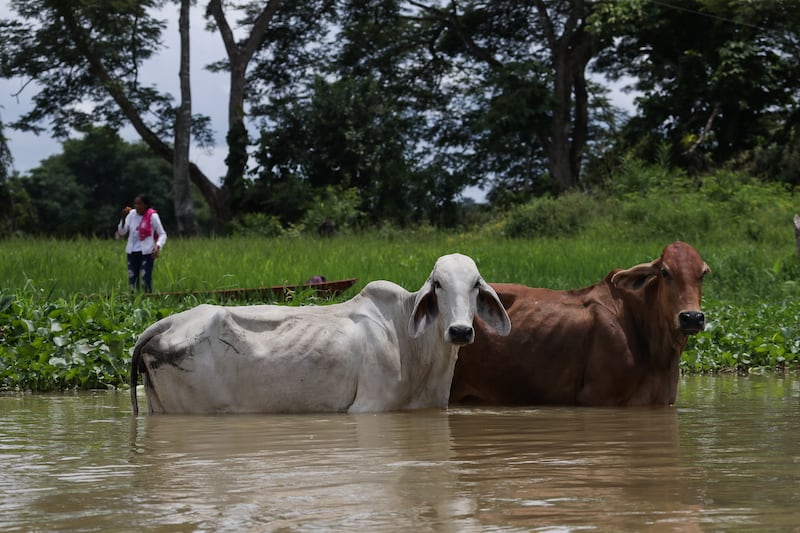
{"x":550,"y":217}
{"x":337,"y":204}
{"x":256,"y":224}
{"x":668,"y":216}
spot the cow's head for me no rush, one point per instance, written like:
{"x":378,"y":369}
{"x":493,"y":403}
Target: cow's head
{"x":678,"y":275}
{"x":453,"y":294}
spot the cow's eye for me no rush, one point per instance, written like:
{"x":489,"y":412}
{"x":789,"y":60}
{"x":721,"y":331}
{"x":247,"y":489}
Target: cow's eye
{"x":665,"y":273}
{"x":477,"y":285}
{"x":437,"y":285}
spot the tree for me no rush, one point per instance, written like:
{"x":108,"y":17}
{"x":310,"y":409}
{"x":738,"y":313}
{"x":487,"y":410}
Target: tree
{"x":530,"y":58}
{"x":290,"y":25}
{"x":239,"y":55}
{"x":89,"y":52}
{"x":6,"y":206}
{"x":181,"y":187}
{"x":361,"y":121}
{"x":83,"y":58}
{"x":83,"y":190}
{"x":718,"y":80}
{"x":345,"y":135}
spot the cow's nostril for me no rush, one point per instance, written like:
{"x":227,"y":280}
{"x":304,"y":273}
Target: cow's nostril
{"x":461,"y":334}
{"x":692,"y":320}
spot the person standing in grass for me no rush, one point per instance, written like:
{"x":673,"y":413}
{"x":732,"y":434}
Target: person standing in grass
{"x":146,"y":237}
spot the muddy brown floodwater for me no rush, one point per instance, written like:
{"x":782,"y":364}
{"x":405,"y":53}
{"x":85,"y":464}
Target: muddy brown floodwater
{"x":726,"y":458}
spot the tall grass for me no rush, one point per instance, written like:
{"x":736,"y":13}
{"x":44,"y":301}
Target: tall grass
{"x":742,"y":270}
{"x":67,"y":320}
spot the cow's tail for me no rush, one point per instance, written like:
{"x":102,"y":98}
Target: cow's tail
{"x":136,"y":360}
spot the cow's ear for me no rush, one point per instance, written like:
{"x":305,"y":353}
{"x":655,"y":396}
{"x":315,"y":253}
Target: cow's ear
{"x":491,"y":309}
{"x":636,"y":277}
{"x":425,"y":310}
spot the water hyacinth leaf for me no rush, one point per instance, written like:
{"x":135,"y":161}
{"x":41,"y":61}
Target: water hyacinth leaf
{"x":31,"y":327}
{"x":5,"y":302}
{"x":116,"y":344}
{"x":106,"y":323}
{"x":58,"y":362}
{"x":59,"y":341}
{"x":26,"y":351}
{"x":55,"y":326}
{"x":83,"y":346}
{"x":88,"y":313}
{"x":78,"y":357}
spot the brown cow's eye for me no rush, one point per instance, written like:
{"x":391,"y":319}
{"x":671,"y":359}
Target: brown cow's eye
{"x":665,"y":273}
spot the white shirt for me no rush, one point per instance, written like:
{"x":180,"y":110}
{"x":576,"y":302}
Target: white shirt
{"x":130,"y":226}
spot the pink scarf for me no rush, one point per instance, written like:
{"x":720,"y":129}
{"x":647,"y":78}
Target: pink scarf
{"x":146,"y":226}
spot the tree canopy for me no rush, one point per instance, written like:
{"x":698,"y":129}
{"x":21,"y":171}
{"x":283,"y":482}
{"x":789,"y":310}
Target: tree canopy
{"x":83,"y":190}
{"x":406,"y":103}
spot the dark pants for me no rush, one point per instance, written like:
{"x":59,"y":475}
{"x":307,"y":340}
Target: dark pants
{"x":140,"y":263}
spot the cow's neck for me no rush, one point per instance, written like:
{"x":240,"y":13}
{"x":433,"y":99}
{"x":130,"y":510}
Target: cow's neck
{"x":662,"y":346}
{"x":430,"y":372}
{"x":656,"y":332}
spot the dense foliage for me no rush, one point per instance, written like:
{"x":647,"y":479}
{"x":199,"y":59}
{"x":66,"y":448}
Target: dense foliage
{"x":404,"y":104}
{"x":713,"y":78}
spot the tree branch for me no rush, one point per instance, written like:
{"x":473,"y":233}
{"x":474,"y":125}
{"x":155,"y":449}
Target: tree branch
{"x":115,"y":90}
{"x":451,"y":19}
{"x":706,"y":130}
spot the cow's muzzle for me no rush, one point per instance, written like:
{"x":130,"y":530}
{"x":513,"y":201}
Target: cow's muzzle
{"x":691,"y":322}
{"x":461,"y":334}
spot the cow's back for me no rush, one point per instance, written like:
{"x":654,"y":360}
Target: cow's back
{"x":544,"y":358}
{"x":254,"y":359}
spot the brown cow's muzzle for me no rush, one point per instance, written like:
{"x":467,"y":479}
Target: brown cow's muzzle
{"x":691,"y":322}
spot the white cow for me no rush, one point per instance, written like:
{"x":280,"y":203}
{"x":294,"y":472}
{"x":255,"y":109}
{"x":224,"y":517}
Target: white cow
{"x":384,"y":349}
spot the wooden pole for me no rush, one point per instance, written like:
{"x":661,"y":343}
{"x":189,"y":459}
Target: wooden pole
{"x":797,"y":233}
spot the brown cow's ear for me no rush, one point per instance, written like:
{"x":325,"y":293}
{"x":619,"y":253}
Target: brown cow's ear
{"x":636,"y":277}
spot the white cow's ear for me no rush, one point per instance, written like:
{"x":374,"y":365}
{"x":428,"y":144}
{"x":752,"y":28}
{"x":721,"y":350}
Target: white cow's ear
{"x":425,"y":310}
{"x":491,"y":309}
{"x":636,"y":277}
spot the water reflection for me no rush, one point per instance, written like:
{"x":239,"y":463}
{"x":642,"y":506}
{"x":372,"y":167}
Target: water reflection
{"x":726,"y":458}
{"x":59,"y":461}
{"x":555,"y":468}
{"x":333,"y":470}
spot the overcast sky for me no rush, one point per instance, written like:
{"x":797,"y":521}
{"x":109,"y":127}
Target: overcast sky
{"x":209,"y":97}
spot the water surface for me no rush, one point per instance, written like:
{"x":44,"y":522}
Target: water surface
{"x":726,"y":458}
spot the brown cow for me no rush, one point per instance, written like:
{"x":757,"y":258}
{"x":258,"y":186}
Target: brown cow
{"x":618,"y":342}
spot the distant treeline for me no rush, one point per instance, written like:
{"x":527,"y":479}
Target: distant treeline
{"x":365,"y":114}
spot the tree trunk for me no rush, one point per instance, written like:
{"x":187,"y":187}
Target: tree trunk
{"x":571,"y":52}
{"x":181,"y":189}
{"x":239,"y":56}
{"x":582,"y":54}
{"x":237,"y":138}
{"x":558,"y":147}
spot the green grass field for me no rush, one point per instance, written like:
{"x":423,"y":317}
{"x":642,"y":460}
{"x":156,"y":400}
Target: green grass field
{"x":67,"y":320}
{"x":742,"y":271}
